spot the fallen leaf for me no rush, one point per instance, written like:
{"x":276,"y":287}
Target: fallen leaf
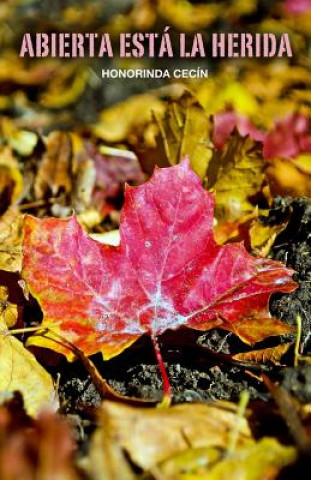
{"x":84,"y":184}
{"x":256,"y":329}
{"x":237,"y":230}
{"x":225,"y":93}
{"x":184,"y":130}
{"x":11,"y":231}
{"x":113,"y":168}
{"x":20,"y":371}
{"x":287,"y":178}
{"x":8,"y":311}
{"x":11,"y":180}
{"x":236,"y":173}
{"x":55,"y":171}
{"x":29,"y":448}
{"x":191,"y":462}
{"x":225,"y":122}
{"x":297,"y":7}
{"x":187,"y":16}
{"x":66,"y":87}
{"x":167,"y":272}
{"x":22,"y":74}
{"x":289,"y":138}
{"x":262,"y":460}
{"x":22,"y":141}
{"x":152,"y":435}
{"x":271,"y":355}
{"x":119,"y":121}
{"x":262,"y":237}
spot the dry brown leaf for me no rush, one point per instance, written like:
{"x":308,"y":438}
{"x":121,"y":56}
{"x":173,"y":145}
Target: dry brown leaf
{"x":272,"y":355}
{"x":84,"y":185}
{"x":150,"y":436}
{"x":11,"y":228}
{"x":21,"y":371}
{"x":55,"y":171}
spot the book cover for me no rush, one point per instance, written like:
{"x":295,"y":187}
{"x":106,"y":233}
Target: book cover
{"x":155,"y":219}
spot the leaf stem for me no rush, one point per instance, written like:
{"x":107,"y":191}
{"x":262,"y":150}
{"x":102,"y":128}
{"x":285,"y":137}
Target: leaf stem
{"x":297,"y":341}
{"x":234,"y":434}
{"x":167,"y":393}
{"x":17,"y":331}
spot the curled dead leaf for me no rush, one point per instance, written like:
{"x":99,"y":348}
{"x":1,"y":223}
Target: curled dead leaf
{"x":271,"y":355}
{"x":56,"y":169}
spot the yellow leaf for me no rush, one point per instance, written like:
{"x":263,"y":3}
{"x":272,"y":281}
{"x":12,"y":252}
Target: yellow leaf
{"x":185,"y":16}
{"x":21,"y":371}
{"x":183,"y":130}
{"x":22,"y":141}
{"x":225,"y":93}
{"x":8,"y":311}
{"x":288,"y":178}
{"x":236,"y":173}
{"x":262,"y":237}
{"x":117,"y":122}
{"x":149,"y":436}
{"x":11,"y":180}
{"x":11,"y":228}
{"x":59,"y":94}
{"x":262,"y":460}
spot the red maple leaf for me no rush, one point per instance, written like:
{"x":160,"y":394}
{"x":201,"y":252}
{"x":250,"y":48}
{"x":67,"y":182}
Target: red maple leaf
{"x":290,"y":137}
{"x":224,"y":124}
{"x":167,"y":272}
